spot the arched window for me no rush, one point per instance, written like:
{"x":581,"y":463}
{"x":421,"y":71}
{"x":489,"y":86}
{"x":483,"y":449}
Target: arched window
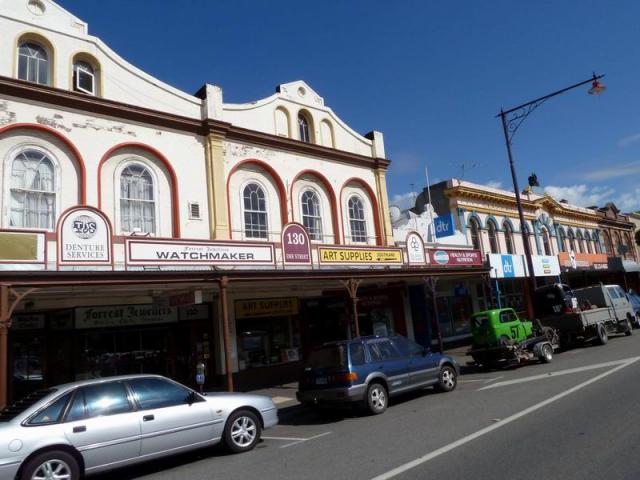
{"x":631,"y":249}
{"x":580,"y":243}
{"x":357,"y":220}
{"x":84,"y":78}
{"x":303,"y":128}
{"x":587,"y":241}
{"x":526,"y":236}
{"x":311,"y":218}
{"x":137,"y":200}
{"x":33,"y":63}
{"x":572,"y":241}
{"x":492,"y":229}
{"x":33,"y":191}
{"x":546,"y":244}
{"x":508,"y":237}
{"x":255,"y":211}
{"x":474,"y":228}
{"x":607,"y":243}
{"x":596,"y":242}
{"x":619,"y":248}
{"x":562,"y":240}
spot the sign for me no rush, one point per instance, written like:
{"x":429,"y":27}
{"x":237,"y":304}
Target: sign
{"x":84,"y":237}
{"x":296,"y":246}
{"x":194,"y":252}
{"x":359,"y":256}
{"x":584,"y":261}
{"x":515,"y":266}
{"x":447,"y":258}
{"x":22,"y":247}
{"x":124,"y":316}
{"x":415,"y":249}
{"x":194,"y":312}
{"x":444,"y":225}
{"x":267,"y":307}
{"x":187,"y":298}
{"x":27,"y":322}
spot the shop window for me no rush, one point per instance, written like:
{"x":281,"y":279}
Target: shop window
{"x":137,"y":200}
{"x":357,"y":222}
{"x":493,"y":236}
{"x":475,"y":234}
{"x":267,"y":341}
{"x":33,"y":63}
{"x":311,"y":218}
{"x":255,"y":211}
{"x":508,"y":238}
{"x":84,"y":78}
{"x":33,"y":196}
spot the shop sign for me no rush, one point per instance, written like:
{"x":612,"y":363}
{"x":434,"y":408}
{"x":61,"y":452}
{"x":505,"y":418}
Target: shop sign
{"x":267,"y":307}
{"x":455,"y":257}
{"x":415,"y":249}
{"x":194,"y":252}
{"x":28,"y":322}
{"x":194,"y":312}
{"x":545,"y":266}
{"x":187,"y":298}
{"x":514,"y":266}
{"x":84,"y":237}
{"x":22,"y":247}
{"x":584,"y":261}
{"x":359,"y":256}
{"x":124,"y":316}
{"x":443,"y":226}
{"x":61,"y":320}
{"x":296,"y":246}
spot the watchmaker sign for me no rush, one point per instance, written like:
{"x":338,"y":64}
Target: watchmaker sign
{"x":194,"y":252}
{"x":84,"y":237}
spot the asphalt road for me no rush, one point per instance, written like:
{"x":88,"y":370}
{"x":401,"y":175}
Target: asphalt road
{"x":576,"y":418}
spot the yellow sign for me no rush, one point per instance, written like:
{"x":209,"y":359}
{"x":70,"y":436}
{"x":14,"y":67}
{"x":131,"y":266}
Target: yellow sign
{"x":19,"y":246}
{"x":360,"y":256}
{"x":267,"y":307}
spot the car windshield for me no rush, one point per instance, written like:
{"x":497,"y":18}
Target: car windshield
{"x":327,"y":357}
{"x":21,"y":405}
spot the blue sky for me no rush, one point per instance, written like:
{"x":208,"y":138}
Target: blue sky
{"x":430,"y":75}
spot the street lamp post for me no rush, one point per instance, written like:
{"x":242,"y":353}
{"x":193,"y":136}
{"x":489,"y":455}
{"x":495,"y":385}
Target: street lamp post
{"x":511,"y":121}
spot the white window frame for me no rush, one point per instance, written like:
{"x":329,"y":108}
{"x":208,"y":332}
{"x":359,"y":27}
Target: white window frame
{"x":242,"y":210}
{"x":49,"y":70}
{"x":156,"y":194}
{"x":309,"y":138}
{"x":319,"y":197}
{"x":77,"y":68}
{"x":364,"y":213}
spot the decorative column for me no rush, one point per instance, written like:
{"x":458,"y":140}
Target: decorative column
{"x":217,"y":188}
{"x":383,"y":206}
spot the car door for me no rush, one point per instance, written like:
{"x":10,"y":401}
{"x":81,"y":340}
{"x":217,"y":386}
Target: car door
{"x":423,"y":365}
{"x":102,"y":425}
{"x":385,"y":358}
{"x":171,"y":416}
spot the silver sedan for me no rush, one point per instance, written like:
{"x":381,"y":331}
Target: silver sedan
{"x":92,"y":426}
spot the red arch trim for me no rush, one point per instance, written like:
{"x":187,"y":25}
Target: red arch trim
{"x":175,"y":205}
{"x":82,"y":187}
{"x":374,"y":205}
{"x":282,"y":191}
{"x":332,"y":199}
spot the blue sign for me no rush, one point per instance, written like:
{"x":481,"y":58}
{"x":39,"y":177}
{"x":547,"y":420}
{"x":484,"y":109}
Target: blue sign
{"x":443,"y":226}
{"x":507,"y":266}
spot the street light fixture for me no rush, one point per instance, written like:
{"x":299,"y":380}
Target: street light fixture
{"x":511,"y":121}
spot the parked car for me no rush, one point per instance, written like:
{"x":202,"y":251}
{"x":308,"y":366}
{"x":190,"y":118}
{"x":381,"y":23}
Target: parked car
{"x":367,"y":370}
{"x":97,"y":425}
{"x":634,"y":300}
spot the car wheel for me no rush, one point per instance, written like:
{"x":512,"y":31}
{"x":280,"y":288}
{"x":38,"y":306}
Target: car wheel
{"x":447,"y":379}
{"x":504,"y":340}
{"x":377,"y":398}
{"x":242,"y":431}
{"x":52,"y":465}
{"x":629,"y":330}
{"x":546,"y":353}
{"x":637,"y":320}
{"x":602,"y":337}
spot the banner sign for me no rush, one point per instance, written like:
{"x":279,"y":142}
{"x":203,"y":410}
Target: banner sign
{"x":415,"y":249}
{"x":28,"y":322}
{"x":22,"y":247}
{"x":444,"y":226}
{"x":455,"y":257}
{"x":84,"y":237}
{"x":515,"y":266}
{"x":267,"y":307}
{"x":124,"y":316}
{"x":296,"y":246}
{"x":359,"y":256}
{"x":584,"y":261}
{"x":195,"y":252}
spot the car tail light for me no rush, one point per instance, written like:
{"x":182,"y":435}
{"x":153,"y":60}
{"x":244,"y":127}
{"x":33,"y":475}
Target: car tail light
{"x":344,"y":377}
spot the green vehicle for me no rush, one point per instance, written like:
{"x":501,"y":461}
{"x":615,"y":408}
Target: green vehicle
{"x":500,"y":336}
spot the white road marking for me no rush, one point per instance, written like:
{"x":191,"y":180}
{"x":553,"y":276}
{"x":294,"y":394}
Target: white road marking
{"x":278,"y":399}
{"x":286,"y":439}
{"x":483,"y":380}
{"x":447,"y":448}
{"x":305,"y":440}
{"x":558,"y":373}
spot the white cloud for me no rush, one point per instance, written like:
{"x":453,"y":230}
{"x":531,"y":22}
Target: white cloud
{"x":612,"y":171}
{"x":629,"y":201}
{"x":494,"y":184}
{"x":629,"y":140}
{"x":582,"y":195}
{"x":404,"y":200}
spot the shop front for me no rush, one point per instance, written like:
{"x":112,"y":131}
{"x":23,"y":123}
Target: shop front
{"x":584,"y":269}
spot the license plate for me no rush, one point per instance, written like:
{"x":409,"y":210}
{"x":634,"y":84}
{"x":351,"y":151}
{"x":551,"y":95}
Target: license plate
{"x":321,"y":381}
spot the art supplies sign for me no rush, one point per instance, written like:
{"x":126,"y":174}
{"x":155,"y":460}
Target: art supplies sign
{"x":193,"y":252}
{"x":84,"y":237}
{"x":359,"y":256}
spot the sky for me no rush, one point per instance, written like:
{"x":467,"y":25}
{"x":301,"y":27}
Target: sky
{"x":431,"y":76}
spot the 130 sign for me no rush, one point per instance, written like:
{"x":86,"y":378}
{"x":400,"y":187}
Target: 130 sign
{"x":296,"y":248}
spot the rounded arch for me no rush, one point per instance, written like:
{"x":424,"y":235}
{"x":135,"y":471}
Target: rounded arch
{"x":304,"y":114}
{"x":332,"y":198}
{"x":477,"y":218}
{"x":82,"y":184}
{"x":282,"y":121}
{"x":82,"y":56}
{"x":282,"y":191}
{"x":374,"y":205}
{"x":327,"y":135}
{"x":495,"y":222}
{"x":44,"y":42}
{"x":507,"y":221}
{"x":173,"y":179}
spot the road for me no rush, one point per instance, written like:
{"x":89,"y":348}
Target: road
{"x":576,"y":418}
